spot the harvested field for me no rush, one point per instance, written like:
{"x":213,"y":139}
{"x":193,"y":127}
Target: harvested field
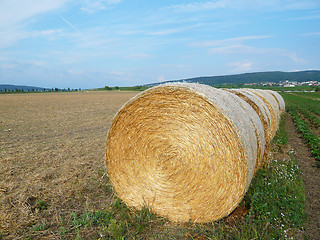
{"x":52,"y":176}
{"x":52,"y":148}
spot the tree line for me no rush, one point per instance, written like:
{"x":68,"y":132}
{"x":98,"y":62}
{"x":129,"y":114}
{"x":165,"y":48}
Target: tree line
{"x":16,"y":90}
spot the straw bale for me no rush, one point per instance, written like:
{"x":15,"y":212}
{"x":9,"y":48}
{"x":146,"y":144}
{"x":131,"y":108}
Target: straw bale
{"x":188,"y":151}
{"x":229,"y":103}
{"x":273,"y":106}
{"x":279,"y":100}
{"x":263,"y":112}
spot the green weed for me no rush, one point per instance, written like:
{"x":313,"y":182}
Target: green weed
{"x":42,"y":205}
{"x":88,"y":219}
{"x":39,"y":227}
{"x":1,"y":235}
{"x":116,"y":229}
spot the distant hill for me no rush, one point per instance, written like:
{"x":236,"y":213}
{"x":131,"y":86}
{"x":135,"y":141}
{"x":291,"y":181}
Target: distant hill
{"x":258,"y":77}
{"x":9,"y":87}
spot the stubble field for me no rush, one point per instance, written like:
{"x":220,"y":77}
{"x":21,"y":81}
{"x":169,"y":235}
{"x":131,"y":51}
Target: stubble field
{"x":54,"y":185}
{"x":52,"y":156}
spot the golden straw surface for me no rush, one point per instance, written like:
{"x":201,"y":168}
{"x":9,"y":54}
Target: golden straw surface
{"x":264,"y":115}
{"x":273,"y":106}
{"x":188,"y":151}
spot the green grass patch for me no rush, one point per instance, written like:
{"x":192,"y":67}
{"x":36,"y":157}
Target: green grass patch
{"x":281,"y":136}
{"x":277,"y":200}
{"x":308,"y":101}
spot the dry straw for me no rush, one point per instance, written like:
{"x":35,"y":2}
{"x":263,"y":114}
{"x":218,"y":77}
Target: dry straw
{"x":279,"y":100}
{"x":188,"y":151}
{"x":264,"y":114}
{"x":273,"y":107}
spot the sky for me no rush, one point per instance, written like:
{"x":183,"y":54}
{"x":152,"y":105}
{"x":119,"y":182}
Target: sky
{"x":97,"y":43}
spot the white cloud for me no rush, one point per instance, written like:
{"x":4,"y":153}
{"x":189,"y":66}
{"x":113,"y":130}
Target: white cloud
{"x":174,"y":66}
{"x":309,"y":16}
{"x":139,"y":56}
{"x":299,"y":5}
{"x":236,"y":49}
{"x":242,"y":66}
{"x":173,"y":30}
{"x":50,"y":32}
{"x":74,"y":72}
{"x":92,"y":6}
{"x":116,"y":73}
{"x":229,"y":41}
{"x":200,"y":6}
{"x":236,"y":46}
{"x":291,"y":55}
{"x":248,"y":50}
{"x":14,"y":13}
{"x":311,"y":34}
{"x":165,"y":32}
{"x":160,"y":78}
{"x":246,"y":4}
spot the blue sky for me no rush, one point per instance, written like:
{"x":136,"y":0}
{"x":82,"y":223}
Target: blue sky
{"x":94,"y":43}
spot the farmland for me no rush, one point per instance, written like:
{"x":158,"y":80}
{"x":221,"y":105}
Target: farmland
{"x":53,"y":181}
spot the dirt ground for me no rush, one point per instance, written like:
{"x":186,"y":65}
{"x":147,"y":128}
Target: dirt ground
{"x":52,"y":156}
{"x":311,"y":179}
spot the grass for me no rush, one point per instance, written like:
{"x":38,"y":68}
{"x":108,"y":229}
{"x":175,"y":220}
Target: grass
{"x":281,"y":137}
{"x":117,"y":222}
{"x":308,"y":101}
{"x":277,"y":200}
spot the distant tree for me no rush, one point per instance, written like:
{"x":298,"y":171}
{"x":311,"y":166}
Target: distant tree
{"x":117,"y":88}
{"x":107,"y":88}
{"x":56,"y":89}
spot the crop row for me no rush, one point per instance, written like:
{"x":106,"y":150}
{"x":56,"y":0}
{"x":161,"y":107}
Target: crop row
{"x":311,"y":139}
{"x":312,"y":119}
{"x":311,"y":103}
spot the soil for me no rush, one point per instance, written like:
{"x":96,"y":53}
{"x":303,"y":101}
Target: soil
{"x":311,"y":179}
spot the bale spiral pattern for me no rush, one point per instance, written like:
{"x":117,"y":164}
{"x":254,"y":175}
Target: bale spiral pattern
{"x":189,"y":151}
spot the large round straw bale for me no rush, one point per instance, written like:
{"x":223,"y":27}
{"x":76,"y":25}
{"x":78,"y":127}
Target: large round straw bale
{"x":279,"y":100}
{"x":263,"y":112}
{"x":273,"y":106}
{"x":187,"y":151}
{"x":257,"y":104}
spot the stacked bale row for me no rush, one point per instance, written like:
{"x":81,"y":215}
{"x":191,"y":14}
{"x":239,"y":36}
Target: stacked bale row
{"x":189,"y":151}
